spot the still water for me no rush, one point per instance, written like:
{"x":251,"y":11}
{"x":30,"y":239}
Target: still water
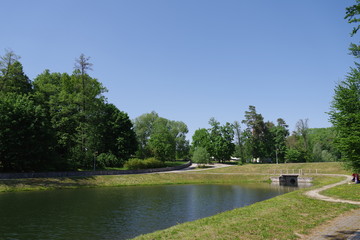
{"x":119,"y":213}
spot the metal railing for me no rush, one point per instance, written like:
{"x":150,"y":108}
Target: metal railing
{"x":293,"y":171}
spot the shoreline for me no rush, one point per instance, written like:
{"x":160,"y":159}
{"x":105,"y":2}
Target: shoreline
{"x":290,"y":216}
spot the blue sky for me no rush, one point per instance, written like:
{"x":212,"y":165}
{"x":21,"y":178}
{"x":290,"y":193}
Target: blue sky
{"x":190,"y":60}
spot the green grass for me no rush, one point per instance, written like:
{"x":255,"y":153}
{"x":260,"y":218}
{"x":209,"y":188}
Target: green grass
{"x":174,"y":163}
{"x":123,"y":180}
{"x":322,"y":167}
{"x":283,"y":217}
{"x":236,"y":174}
{"x":112,"y":168}
{"x":346,"y":191}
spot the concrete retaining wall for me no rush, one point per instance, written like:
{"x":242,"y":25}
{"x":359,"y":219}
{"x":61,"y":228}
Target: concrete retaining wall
{"x":299,"y":179}
{"x":291,"y":180}
{"x":88,"y":173}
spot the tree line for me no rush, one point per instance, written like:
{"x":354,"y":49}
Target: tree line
{"x":263,"y":141}
{"x":62,"y":121}
{"x":341,"y":142}
{"x":59,"y":121}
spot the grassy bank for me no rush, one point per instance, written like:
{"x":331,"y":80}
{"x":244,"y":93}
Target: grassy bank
{"x":123,"y":180}
{"x":284,"y":217}
{"x":288,"y":216}
{"x":321,"y":167}
{"x":234,"y":174}
{"x":349,"y":192}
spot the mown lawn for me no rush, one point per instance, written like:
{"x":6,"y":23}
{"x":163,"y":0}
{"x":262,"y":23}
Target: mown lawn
{"x":234,"y":174}
{"x":124,"y":180}
{"x":284,"y":217}
{"x":346,"y":191}
{"x":321,"y":167}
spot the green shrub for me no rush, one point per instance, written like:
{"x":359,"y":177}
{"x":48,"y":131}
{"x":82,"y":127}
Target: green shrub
{"x":107,"y":160}
{"x":135,"y":163}
{"x":154,"y":163}
{"x":201,"y":156}
{"x":294,"y":156}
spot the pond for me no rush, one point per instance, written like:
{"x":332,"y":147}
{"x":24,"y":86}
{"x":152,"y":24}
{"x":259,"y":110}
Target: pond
{"x":119,"y":213}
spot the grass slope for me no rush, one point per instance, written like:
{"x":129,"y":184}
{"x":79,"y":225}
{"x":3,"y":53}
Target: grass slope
{"x":284,"y":217}
{"x":349,"y":192}
{"x":322,"y":167}
{"x":234,"y":174}
{"x":123,"y":180}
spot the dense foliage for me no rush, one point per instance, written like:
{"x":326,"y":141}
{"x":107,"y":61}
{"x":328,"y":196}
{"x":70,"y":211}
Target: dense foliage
{"x":262,"y":141}
{"x":62,"y":121}
{"x":26,"y":138}
{"x":59,"y":121}
{"x":201,"y":156}
{"x":148,"y":163}
{"x":345,"y":116}
{"x":345,"y":108}
{"x":161,"y":138}
{"x":217,"y":140}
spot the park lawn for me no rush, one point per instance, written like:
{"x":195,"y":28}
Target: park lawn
{"x":346,"y":191}
{"x":236,"y":174}
{"x":321,"y":167}
{"x":284,"y":217}
{"x":124,"y":180}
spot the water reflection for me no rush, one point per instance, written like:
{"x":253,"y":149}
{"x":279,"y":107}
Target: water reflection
{"x":289,"y":187}
{"x":119,"y":213}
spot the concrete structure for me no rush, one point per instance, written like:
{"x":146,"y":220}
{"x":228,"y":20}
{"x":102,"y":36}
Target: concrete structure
{"x":291,"y":180}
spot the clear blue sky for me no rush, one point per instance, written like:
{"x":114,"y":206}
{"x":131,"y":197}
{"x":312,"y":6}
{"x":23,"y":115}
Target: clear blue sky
{"x":190,"y":60}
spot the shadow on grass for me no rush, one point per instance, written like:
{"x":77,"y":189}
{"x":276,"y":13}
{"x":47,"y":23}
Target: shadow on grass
{"x":229,"y":163}
{"x":61,"y":182}
{"x":205,"y":167}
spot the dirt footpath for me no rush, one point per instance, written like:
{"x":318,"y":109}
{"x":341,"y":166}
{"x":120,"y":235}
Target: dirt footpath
{"x":346,"y":226}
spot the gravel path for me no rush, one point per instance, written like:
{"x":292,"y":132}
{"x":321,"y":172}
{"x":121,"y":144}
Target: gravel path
{"x":346,"y":226}
{"x":193,"y":168}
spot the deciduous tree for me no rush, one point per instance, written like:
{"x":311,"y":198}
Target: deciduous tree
{"x":150,"y":125}
{"x":26,"y":139}
{"x":221,"y":140}
{"x":345,"y":116}
{"x":112,"y":133}
{"x":201,"y":156}
{"x":143,"y":127}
